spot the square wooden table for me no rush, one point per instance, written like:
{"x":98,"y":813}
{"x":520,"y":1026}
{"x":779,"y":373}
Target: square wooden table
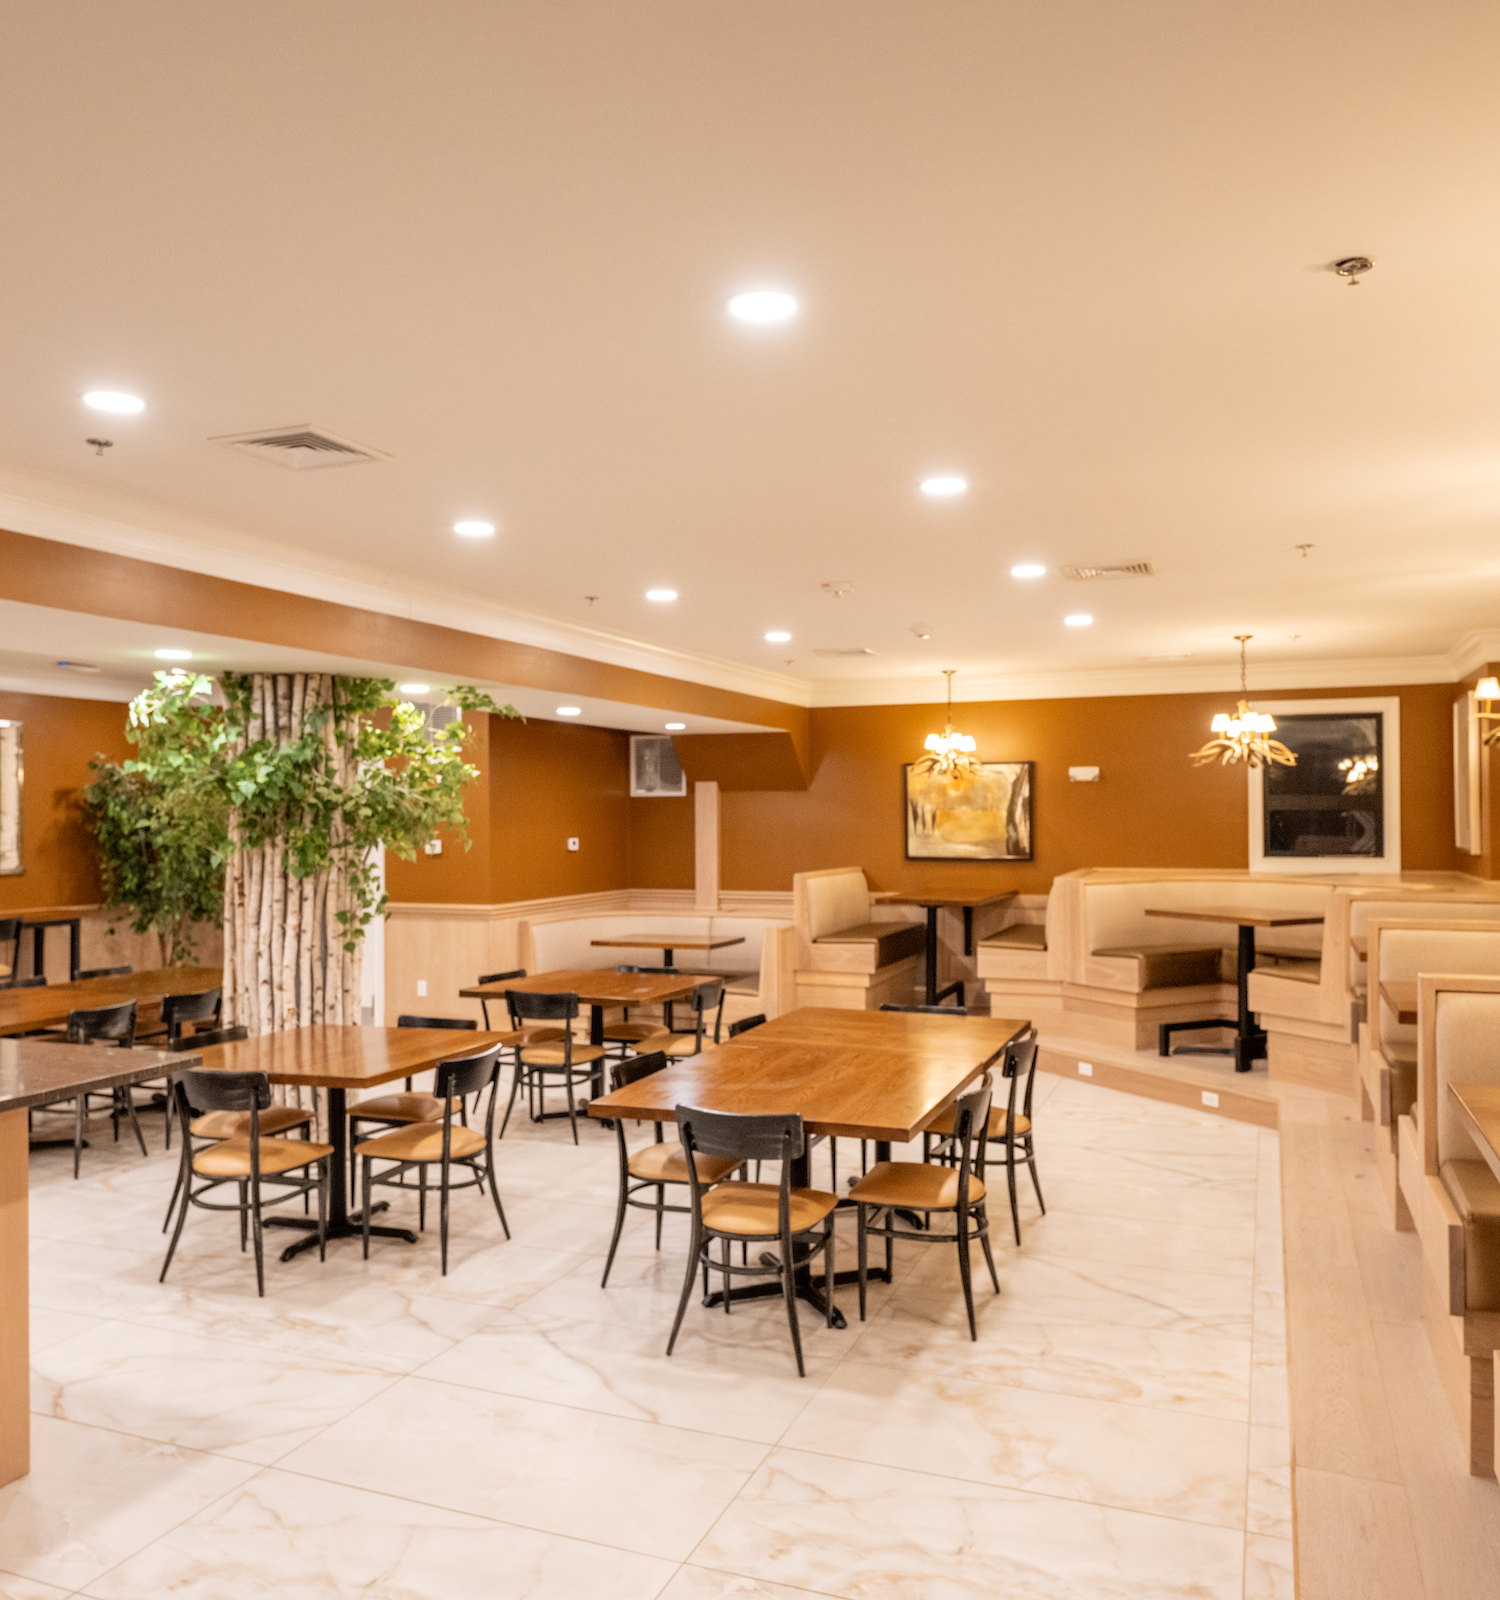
{"x":28,"y":1010}
{"x":653,"y":941}
{"x":1479,"y":1106}
{"x":1249,"y":1039}
{"x":337,"y":1059}
{"x":933,"y":903}
{"x":599,"y":988}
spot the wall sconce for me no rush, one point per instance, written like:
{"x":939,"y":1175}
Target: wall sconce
{"x":1487,"y":692}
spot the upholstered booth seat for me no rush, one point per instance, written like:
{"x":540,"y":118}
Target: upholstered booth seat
{"x":892,"y":941}
{"x":1019,"y":936}
{"x":1475,"y":1193}
{"x":1171,"y":966}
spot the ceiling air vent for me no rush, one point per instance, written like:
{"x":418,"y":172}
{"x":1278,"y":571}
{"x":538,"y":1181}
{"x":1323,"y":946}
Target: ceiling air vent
{"x":861,"y":651}
{"x":1110,"y":569}
{"x":301,"y":447}
{"x":655,"y":771}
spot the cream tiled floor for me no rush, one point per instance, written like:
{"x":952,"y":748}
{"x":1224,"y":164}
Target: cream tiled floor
{"x":1119,"y":1430}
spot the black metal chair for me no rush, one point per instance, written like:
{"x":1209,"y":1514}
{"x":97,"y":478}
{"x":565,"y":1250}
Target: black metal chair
{"x":249,"y":1160}
{"x":105,"y":972}
{"x":1011,"y":1128}
{"x":667,"y":1008}
{"x":705,"y":997}
{"x":427,"y":1143}
{"x":562,"y":1059}
{"x":745,"y":1024}
{"x":38,"y":982}
{"x":177,"y":1011}
{"x":891,"y":1187}
{"x":10,"y":951}
{"x":466,"y":1023}
{"x":533,"y":1035}
{"x":746,"y":1213}
{"x":653,"y":1166}
{"x":101,"y":1025}
{"x":627,"y":1037}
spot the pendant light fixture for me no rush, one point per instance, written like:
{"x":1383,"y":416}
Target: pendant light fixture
{"x":1487,"y":692}
{"x":951,"y":755}
{"x":1243,"y":736}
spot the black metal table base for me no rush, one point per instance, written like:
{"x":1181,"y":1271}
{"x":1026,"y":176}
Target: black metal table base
{"x":345,"y":1228}
{"x":1249,"y":1038}
{"x":808,"y":1287}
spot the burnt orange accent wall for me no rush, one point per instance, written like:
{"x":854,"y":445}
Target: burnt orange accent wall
{"x":741,"y":760}
{"x":661,"y":842}
{"x":59,"y":738}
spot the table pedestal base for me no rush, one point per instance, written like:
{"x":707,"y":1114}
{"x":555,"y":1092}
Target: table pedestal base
{"x":343,"y":1228}
{"x":806,"y":1285}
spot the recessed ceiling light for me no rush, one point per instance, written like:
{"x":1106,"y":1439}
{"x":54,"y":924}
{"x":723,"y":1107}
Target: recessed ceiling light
{"x":777,"y":638}
{"x":1080,"y":621}
{"x":941,"y":488}
{"x":570,"y":711}
{"x":763,"y":306}
{"x":674,"y":727}
{"x":174,"y":655}
{"x":1028,"y":569}
{"x":107,"y":400}
{"x":414,"y":688}
{"x":474,"y":530}
{"x":661,"y":596}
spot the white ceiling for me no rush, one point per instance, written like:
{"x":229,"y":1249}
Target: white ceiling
{"x":1076,"y":252}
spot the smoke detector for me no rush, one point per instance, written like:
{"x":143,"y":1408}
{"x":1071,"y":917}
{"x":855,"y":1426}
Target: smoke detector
{"x":301,"y":447}
{"x":838,"y":589}
{"x":860,"y":651}
{"x":1109,"y":569}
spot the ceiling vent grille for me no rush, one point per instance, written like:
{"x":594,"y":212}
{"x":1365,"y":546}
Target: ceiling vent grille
{"x":301,"y":447}
{"x":1110,"y":569}
{"x":861,"y":651}
{"x":655,"y":771}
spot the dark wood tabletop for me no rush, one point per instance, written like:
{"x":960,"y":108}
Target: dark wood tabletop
{"x":1240,"y":916}
{"x":26,"y":1010}
{"x":328,"y":1056}
{"x":1402,"y":999}
{"x":36,"y":1073}
{"x":668,"y":941}
{"x":1479,"y":1105}
{"x":596,"y":986}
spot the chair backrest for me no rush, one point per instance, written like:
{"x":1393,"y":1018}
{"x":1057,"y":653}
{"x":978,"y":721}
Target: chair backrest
{"x":757,"y":1136}
{"x":103,"y":1022}
{"x":223,"y":1091}
{"x":10,"y":934}
{"x":177,"y":1009}
{"x":202,"y":1040}
{"x":745,"y":1024}
{"x":38,"y":982}
{"x":933,"y":1011}
{"x":707,"y":995}
{"x":501,"y":977}
{"x":106,"y":972}
{"x":541,"y":1007}
{"x":465,"y":1075}
{"x":436,"y":1022}
{"x":1020,"y":1068}
{"x":971,"y":1128}
{"x":639,"y":1067}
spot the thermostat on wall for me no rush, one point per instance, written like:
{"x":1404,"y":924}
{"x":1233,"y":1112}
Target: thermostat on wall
{"x":572,"y":844}
{"x":1083,"y":774}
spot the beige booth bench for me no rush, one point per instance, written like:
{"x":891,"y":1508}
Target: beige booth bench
{"x":846,"y":958}
{"x":1455,"y":1200}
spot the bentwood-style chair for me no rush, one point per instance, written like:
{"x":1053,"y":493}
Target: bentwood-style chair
{"x":177,"y":1011}
{"x":891,"y":1187}
{"x":563,"y":1061}
{"x":705,"y":998}
{"x":747,"y":1213}
{"x":653,"y":1166}
{"x":1013,"y":1130}
{"x":102,"y":1025}
{"x":442,"y":1143}
{"x":10,"y":950}
{"x":745,"y":1024}
{"x":624,"y":1037}
{"x":249,"y":1160}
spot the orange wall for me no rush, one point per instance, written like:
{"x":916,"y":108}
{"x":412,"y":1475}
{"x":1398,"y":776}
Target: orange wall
{"x":661,"y":842}
{"x":59,"y":738}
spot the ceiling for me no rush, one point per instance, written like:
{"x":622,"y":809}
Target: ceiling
{"x":1077,"y":253}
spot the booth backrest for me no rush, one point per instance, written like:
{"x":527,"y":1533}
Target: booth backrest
{"x":1429,"y":908}
{"x":1403,"y":948}
{"x":827,"y":902}
{"x":1466,"y":1027}
{"x":1115,"y":913}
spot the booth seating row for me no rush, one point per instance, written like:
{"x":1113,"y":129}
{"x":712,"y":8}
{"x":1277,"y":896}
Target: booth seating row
{"x":1453,"y":1196}
{"x":852,"y":953}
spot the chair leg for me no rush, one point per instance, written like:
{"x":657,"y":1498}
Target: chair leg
{"x":833,"y":1162}
{"x":687,"y":1286}
{"x":167,"y":1119}
{"x":727,"y":1279}
{"x":244,"y":1214}
{"x":186,"y":1188}
{"x":661,"y":1210}
{"x":422,"y":1199}
{"x":965,"y":1272}
{"x":828,"y":1273}
{"x":260,"y":1259}
{"x":78,"y":1115}
{"x":982,"y":1217}
{"x":789,"y":1290}
{"x":442,"y":1223}
{"x":1031,"y":1167}
{"x":323,"y":1170}
{"x":495,"y":1196}
{"x":1010,"y":1178}
{"x":864,"y":1258}
{"x":365,"y":1190}
{"x":515,"y":1084}
{"x":572,"y":1108}
{"x":128,"y":1105}
{"x":166,"y":1221}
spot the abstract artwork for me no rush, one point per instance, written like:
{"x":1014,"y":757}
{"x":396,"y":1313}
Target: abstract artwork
{"x":976,"y":819}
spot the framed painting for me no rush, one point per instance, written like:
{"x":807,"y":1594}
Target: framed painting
{"x":980,"y":819}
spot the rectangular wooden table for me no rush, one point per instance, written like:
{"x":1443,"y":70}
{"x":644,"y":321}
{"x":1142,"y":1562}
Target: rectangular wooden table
{"x":1249,"y":1039}
{"x":885,"y":1079}
{"x":933,"y":903}
{"x":653,"y":941}
{"x":34,"y":1074}
{"x":1479,"y":1106}
{"x":337,"y":1059}
{"x":29,"y":1010}
{"x":1402,"y":999}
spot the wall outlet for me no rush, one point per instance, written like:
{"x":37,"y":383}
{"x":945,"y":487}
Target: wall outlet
{"x":421,"y":988}
{"x":433,"y":847}
{"x":1083,"y":774}
{"x":1085,"y":1069}
{"x":572,"y":844}
{"x":1210,"y":1098}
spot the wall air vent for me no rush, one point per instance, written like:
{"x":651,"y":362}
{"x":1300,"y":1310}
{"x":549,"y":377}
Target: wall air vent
{"x":301,"y":447}
{"x":861,"y":651}
{"x":1110,"y":569}
{"x":655,"y":771}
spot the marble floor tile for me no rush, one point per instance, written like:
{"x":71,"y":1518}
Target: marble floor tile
{"x":298,"y":1539}
{"x":16,"y":1588}
{"x":648,"y":1488}
{"x":51,"y":1327}
{"x":701,"y":1583}
{"x":1268,"y":1505}
{"x":876,"y":1533}
{"x":1095,"y":1192}
{"x":200,"y":1394}
{"x":1270,"y":1568}
{"x":1270,"y":1402}
{"x":94,"y":1497}
{"x":1194,"y":1374}
{"x":1130,"y":1457}
{"x":1224,"y":1250}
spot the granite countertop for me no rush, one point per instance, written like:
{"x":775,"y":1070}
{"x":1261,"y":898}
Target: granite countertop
{"x":34,"y":1073}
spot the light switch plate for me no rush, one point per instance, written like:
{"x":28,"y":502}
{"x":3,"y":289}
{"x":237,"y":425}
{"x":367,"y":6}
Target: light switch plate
{"x":421,"y":988}
{"x":433,"y":847}
{"x":1083,"y":774}
{"x":1210,"y":1098}
{"x":1085,"y":1069}
{"x":572,"y":844}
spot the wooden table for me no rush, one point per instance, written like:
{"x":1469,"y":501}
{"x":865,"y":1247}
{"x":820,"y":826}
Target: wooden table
{"x":34,"y":1074}
{"x":336,"y":1059}
{"x":968,"y":904}
{"x":1479,"y":1106}
{"x":28,"y":1010}
{"x":851,"y":1089}
{"x":1250,"y":1039}
{"x":651,"y":941}
{"x":1402,"y":999}
{"x":600,"y":988}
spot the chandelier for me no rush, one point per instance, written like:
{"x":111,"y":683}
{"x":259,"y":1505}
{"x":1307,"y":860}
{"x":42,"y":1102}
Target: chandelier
{"x":952,"y":754}
{"x":1242,"y":737}
{"x":1487,"y":692}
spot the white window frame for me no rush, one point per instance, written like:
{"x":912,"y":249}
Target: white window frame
{"x":1389,"y":706}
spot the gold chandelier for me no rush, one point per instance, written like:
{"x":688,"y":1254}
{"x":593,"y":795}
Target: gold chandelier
{"x":951,"y":754}
{"x":1243,"y":736}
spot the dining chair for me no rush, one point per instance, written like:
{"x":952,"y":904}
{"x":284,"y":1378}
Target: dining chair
{"x":249,"y":1160}
{"x":177,"y":1011}
{"x":899,"y":1186}
{"x":561,"y":1059}
{"x":101,"y":1025}
{"x":627,"y":1036}
{"x":653,"y":1166}
{"x":10,"y":950}
{"x":105,"y":972}
{"x":745,"y":1024}
{"x":1012,"y":1129}
{"x":440,"y":1143}
{"x":533,"y":1035}
{"x":37,"y":982}
{"x":705,"y":997}
{"x":466,"y":1023}
{"x":747,"y":1213}
{"x":667,"y":1007}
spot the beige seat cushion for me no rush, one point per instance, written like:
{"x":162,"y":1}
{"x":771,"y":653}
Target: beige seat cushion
{"x":423,"y":1141}
{"x":893,"y":941}
{"x":410,"y":1107}
{"x":913,"y":1184}
{"x":236,"y":1124}
{"x":1475,"y":1193}
{"x":632,"y":1032}
{"x":1170,"y":966}
{"x":537,"y":1033}
{"x":682,"y":1044}
{"x":556,"y":1055}
{"x":750,"y":1209}
{"x":665,"y":1163}
{"x":943,"y":1123}
{"x":230,"y":1158}
{"x":1019,"y":936}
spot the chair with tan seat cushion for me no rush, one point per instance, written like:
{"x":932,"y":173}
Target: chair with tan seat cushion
{"x":565,"y":1062}
{"x":706,"y":997}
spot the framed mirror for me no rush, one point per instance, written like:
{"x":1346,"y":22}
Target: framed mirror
{"x":10,"y":797}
